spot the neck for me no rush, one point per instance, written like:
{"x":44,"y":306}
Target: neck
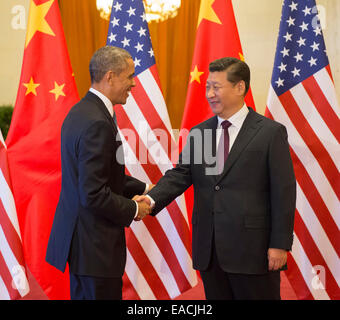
{"x":230,"y":112}
{"x":99,"y":87}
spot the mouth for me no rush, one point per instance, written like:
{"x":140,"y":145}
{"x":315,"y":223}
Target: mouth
{"x":213,"y":103}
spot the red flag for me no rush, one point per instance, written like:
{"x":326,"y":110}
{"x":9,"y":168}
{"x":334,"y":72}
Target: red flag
{"x":46,"y":93}
{"x":159,"y":264}
{"x":216,"y":37}
{"x":302,"y":97}
{"x":13,"y":279}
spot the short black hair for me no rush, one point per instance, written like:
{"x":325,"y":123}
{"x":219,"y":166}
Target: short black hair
{"x":105,"y":59}
{"x":237,"y":70}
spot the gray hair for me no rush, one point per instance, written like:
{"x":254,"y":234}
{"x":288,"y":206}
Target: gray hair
{"x":108,"y":58}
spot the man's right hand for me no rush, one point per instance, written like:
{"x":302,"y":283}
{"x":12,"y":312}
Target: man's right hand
{"x":143,"y":207}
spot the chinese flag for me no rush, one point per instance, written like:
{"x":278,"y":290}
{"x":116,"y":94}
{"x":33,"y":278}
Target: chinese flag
{"x":47,"y":91}
{"x":216,"y":37}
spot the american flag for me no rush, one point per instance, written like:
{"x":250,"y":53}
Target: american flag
{"x":13,"y":280}
{"x":302,"y":97}
{"x":159,"y":264}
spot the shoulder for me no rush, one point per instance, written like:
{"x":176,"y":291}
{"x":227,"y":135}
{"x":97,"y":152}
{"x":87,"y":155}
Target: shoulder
{"x":84,"y":107}
{"x":266,"y":122}
{"x":85,"y":116}
{"x":87,"y":109}
{"x":209,"y":123}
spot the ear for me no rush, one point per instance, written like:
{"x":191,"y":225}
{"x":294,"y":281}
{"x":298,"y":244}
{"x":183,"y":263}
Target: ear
{"x":241,"y":88}
{"x":110,"y":76}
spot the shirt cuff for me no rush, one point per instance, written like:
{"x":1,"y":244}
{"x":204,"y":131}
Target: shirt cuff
{"x":136,"y":209}
{"x":146,"y":189}
{"x":152,"y":201}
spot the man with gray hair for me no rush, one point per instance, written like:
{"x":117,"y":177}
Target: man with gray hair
{"x":95,"y":200}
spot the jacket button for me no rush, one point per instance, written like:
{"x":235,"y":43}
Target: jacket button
{"x":217,"y":188}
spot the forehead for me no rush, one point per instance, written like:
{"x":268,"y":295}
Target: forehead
{"x":131,"y":66}
{"x":217,"y":76}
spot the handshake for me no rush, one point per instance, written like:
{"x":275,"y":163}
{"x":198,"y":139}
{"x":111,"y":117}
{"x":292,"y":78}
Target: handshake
{"x":144,"y":204}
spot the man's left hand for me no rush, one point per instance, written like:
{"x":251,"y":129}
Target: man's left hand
{"x":277,"y":258}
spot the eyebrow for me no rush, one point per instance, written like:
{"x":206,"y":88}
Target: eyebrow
{"x":212,"y":82}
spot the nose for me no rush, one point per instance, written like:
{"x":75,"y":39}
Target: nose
{"x":210,"y":93}
{"x":133,"y":84}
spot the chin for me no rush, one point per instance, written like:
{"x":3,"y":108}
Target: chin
{"x":123,"y":101}
{"x":216,"y":111}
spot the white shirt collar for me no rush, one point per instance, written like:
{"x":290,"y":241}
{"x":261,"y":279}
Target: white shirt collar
{"x":105,"y":99}
{"x":237,"y":118}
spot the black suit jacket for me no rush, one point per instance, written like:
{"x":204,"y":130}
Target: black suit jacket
{"x":93,"y":208}
{"x":249,"y":207}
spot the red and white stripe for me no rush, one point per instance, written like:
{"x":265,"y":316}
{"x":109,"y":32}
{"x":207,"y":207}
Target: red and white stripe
{"x":159,"y":264}
{"x":13,"y":280}
{"x":311,"y":113}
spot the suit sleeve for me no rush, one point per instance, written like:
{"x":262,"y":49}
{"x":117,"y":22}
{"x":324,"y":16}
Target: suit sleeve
{"x":95,"y":156}
{"x":133,"y":186}
{"x":174,"y":182}
{"x":282,"y":191}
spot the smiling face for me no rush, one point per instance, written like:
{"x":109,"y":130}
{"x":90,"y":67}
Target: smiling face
{"x":120,"y":84}
{"x":224,"y":97}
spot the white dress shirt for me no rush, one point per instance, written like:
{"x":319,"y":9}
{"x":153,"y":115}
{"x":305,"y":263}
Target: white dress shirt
{"x":108,"y":104}
{"x":236,"y":121}
{"x":105,"y":99}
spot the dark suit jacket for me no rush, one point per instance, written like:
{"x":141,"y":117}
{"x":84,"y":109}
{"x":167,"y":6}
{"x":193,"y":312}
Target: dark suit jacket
{"x":249,"y":207}
{"x":93,"y":208}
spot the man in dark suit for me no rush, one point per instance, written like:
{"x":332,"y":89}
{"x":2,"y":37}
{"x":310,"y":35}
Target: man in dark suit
{"x":244,"y":200}
{"x":95,"y":200}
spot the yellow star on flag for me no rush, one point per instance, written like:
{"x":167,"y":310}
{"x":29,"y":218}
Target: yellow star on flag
{"x":37,"y":21}
{"x":207,"y":12}
{"x":195,"y":75}
{"x":58,"y":90}
{"x":241,"y":56}
{"x":31,"y":86}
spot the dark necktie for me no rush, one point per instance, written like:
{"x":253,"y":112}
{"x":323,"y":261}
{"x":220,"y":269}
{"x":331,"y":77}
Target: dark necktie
{"x":114,"y":118}
{"x":223,"y":146}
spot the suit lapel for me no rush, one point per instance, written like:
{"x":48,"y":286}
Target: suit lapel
{"x":91,"y":96}
{"x":211,"y":125}
{"x":101,"y":106}
{"x":209,"y":130}
{"x":250,"y":127}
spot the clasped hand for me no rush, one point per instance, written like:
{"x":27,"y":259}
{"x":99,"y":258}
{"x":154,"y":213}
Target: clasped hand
{"x":144,"y":207}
